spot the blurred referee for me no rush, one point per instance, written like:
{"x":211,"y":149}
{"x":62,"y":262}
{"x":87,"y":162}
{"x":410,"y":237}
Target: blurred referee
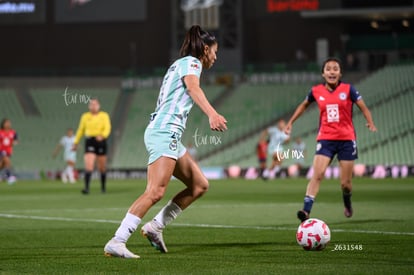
{"x":95,"y":125}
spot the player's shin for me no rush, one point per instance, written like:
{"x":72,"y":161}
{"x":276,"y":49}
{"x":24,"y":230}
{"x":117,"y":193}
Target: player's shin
{"x":346,"y":197}
{"x":88,"y":175}
{"x":308,"y":203}
{"x":167,"y":214}
{"x":128,"y":226}
{"x":103,"y":182}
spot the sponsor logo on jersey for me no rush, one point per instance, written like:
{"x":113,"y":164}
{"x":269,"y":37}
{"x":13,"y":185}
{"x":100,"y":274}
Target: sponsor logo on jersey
{"x":195,"y":66}
{"x":332,"y":112}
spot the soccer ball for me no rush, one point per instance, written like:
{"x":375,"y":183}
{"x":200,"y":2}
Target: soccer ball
{"x":313,"y":234}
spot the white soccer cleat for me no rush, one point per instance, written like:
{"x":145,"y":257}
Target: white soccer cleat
{"x":113,"y":248}
{"x":11,"y":180}
{"x":154,"y":236}
{"x":64,"y":177}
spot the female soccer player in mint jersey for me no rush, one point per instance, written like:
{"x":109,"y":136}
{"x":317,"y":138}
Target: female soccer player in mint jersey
{"x":167,"y":155}
{"x":336,"y":135}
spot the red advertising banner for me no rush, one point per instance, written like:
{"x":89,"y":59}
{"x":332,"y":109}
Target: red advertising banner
{"x":291,"y":5}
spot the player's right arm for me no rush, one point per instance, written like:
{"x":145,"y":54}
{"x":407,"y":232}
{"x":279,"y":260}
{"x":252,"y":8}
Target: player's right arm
{"x":217,"y":121}
{"x":264,"y":135}
{"x":57,"y":149}
{"x":367,"y":114}
{"x":80,"y":132}
{"x":298,"y":112}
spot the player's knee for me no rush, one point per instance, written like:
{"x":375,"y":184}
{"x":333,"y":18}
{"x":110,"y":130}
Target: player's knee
{"x":201,"y":188}
{"x":318,"y":177}
{"x":156,"y":195}
{"x":7,"y":162}
{"x":346,"y":185}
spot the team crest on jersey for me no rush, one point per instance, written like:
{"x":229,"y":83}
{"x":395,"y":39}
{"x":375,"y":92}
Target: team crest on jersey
{"x":173,"y":145}
{"x":342,"y":96}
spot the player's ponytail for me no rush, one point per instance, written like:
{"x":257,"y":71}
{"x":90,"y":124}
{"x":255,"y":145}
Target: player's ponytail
{"x":195,"y":40}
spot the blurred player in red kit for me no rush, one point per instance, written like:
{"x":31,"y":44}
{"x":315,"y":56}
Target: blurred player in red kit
{"x":8,"y":138}
{"x":261,"y":151}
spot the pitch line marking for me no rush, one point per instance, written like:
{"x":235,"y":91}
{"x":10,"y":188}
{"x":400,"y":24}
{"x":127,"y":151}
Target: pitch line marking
{"x":275,"y":228}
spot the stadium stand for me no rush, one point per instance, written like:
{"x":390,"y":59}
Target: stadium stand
{"x":131,"y":152}
{"x":390,"y":95}
{"x":39,"y":134}
{"x":249,"y":108}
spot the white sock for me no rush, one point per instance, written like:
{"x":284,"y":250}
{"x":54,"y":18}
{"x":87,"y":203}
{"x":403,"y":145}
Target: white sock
{"x":69,"y":172}
{"x":266,"y":173}
{"x":128,"y":226}
{"x":64,"y":176}
{"x":274,"y":171}
{"x":167,"y":214}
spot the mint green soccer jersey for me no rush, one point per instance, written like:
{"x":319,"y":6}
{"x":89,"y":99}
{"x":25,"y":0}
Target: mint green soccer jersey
{"x":174,"y":103}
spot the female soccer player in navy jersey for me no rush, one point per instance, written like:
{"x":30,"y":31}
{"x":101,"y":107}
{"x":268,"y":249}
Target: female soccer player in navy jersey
{"x":336,"y":135}
{"x":167,"y":155}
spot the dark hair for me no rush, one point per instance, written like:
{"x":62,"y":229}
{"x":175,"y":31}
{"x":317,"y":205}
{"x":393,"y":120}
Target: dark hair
{"x":195,"y":40}
{"x":3,"y":122}
{"x":329,"y":59}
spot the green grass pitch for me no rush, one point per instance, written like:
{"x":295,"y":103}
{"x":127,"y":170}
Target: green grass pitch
{"x":238,"y":227}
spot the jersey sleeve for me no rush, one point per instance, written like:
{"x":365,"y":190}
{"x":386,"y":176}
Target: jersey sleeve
{"x":81,"y":129}
{"x":355,"y":96}
{"x":271,"y":131}
{"x":16,"y":137}
{"x":310,"y":98}
{"x":191,"y":66}
{"x":107,"y":125}
{"x":62,"y":141}
{"x":285,"y":136}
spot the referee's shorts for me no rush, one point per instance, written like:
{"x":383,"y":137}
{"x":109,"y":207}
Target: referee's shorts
{"x":95,"y":147}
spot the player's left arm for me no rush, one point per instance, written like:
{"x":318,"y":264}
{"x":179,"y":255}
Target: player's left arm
{"x":79,"y":132}
{"x":264,"y":135}
{"x":357,"y":99}
{"x":217,"y":122}
{"x":15,"y":139}
{"x":107,"y":126}
{"x":286,"y":139}
{"x":367,"y":114}
{"x":57,"y":150}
